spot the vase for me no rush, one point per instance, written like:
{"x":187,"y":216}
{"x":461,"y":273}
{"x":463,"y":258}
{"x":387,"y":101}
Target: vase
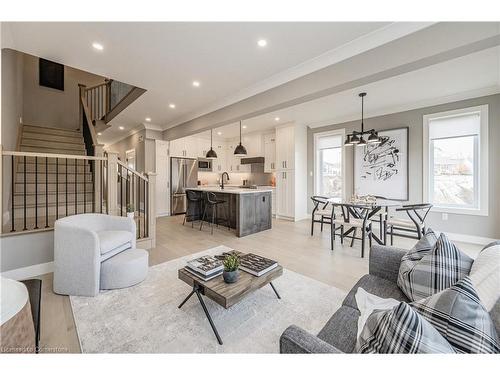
{"x":230,"y":277}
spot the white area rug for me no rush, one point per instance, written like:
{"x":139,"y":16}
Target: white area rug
{"x":145,"y":318}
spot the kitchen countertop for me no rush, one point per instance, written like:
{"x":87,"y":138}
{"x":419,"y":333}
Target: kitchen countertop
{"x":232,"y":189}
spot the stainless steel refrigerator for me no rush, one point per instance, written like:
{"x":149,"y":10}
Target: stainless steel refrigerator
{"x":183,"y":175}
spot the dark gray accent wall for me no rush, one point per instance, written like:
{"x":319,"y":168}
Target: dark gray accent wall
{"x":483,"y":226}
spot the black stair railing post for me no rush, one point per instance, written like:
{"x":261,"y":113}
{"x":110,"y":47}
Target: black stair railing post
{"x":147,"y":209}
{"x":121,"y":190}
{"x":84,"y":188}
{"x":76,"y":192}
{"x":127,"y":190}
{"x":93,"y":184}
{"x":46,"y":192}
{"x":36,"y":191}
{"x":57,"y":188}
{"x":145,"y":206}
{"x":66,"y":185}
{"x":139,"y":206}
{"x":12,"y":174}
{"x":102,"y":181}
{"x":24,"y":185}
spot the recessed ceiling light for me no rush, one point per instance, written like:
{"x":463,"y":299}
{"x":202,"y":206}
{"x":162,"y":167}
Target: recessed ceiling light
{"x":276,"y":119}
{"x":262,"y":42}
{"x":121,"y":127}
{"x":196,"y":83}
{"x":219,"y":133}
{"x":148,"y":119}
{"x":98,"y":46}
{"x":99,"y":133}
{"x":244,"y":126}
{"x":172,"y":105}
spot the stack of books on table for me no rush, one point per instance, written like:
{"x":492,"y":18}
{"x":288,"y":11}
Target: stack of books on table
{"x":206,"y":267}
{"x":256,"y":265}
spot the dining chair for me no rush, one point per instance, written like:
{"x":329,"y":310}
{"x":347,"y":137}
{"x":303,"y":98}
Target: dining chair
{"x":417,"y":214}
{"x":353,"y":217}
{"x":322,"y":212}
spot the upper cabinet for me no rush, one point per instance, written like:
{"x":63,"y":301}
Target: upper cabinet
{"x":285,"y":147}
{"x":269,"y":153}
{"x":253,"y":144}
{"x":186,"y":147}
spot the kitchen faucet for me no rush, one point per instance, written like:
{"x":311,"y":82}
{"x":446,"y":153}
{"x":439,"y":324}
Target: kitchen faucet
{"x":222,"y":179}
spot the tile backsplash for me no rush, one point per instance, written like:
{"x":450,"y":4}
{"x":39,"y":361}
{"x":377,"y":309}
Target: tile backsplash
{"x":253,"y":178}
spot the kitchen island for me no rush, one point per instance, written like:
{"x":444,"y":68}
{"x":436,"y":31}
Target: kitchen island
{"x":248,"y":210}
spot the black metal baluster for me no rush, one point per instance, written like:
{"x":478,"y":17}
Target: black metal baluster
{"x":146,"y":216}
{"x":76,"y":193}
{"x":46,"y":192}
{"x":127,"y":190}
{"x":144,"y":194}
{"x":36,"y":191}
{"x":84,"y":187}
{"x":102,"y":181}
{"x":93,"y":185}
{"x":12,"y":172}
{"x":66,"y":186}
{"x":139,"y":205}
{"x":57,"y":188}
{"x":121,"y":191}
{"x":24,"y":183}
{"x":107,"y":186}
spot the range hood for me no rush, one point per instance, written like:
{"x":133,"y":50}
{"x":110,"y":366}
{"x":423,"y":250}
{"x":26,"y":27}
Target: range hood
{"x":254,"y":160}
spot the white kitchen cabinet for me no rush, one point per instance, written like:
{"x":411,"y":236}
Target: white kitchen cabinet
{"x":285,"y":194}
{"x":269,"y":153}
{"x":203,"y":145}
{"x":253,"y":144}
{"x":186,"y":147}
{"x":285,"y":147}
{"x":162,"y":167}
{"x":219,"y":164}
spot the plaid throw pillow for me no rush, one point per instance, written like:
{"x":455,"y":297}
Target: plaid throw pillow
{"x":430,"y":267}
{"x":460,"y":318}
{"x":400,"y":330}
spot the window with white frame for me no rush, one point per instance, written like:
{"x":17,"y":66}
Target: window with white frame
{"x":456,"y":160}
{"x":328,"y":164}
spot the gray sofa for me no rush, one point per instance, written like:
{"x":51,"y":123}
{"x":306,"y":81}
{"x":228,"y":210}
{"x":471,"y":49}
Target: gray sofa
{"x":339,"y":333}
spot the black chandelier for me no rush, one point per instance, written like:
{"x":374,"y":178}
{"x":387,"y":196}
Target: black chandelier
{"x":356,"y":138}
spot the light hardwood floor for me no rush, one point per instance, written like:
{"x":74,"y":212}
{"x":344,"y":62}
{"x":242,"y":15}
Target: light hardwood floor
{"x":289,"y":243}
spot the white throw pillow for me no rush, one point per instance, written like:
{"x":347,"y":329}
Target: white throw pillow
{"x":368,"y":303}
{"x":485,"y":275}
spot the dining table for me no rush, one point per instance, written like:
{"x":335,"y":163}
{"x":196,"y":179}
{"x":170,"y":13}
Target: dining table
{"x":378,"y":207}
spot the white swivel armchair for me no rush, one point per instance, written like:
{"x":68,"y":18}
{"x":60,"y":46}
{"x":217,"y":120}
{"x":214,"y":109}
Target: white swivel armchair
{"x":81,"y":244}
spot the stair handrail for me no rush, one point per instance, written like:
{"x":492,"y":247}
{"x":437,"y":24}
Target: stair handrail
{"x":140,"y":175}
{"x":49,"y":155}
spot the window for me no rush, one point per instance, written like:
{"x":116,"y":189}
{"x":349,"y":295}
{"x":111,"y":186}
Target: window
{"x":328,"y":164}
{"x":456,"y":160}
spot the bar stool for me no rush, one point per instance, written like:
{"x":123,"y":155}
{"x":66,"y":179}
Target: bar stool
{"x":213,"y":202}
{"x":192,"y":209}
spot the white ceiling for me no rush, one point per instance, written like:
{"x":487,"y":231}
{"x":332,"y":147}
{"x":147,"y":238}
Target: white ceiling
{"x":165,"y":58}
{"x":466,"y":77}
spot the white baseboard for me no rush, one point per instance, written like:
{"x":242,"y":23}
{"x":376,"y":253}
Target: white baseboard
{"x":470,"y":239}
{"x":30,"y":271}
{"x":162,"y":214}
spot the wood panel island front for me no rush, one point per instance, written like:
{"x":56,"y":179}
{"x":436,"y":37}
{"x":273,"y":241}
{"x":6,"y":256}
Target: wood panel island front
{"x":248,"y":210}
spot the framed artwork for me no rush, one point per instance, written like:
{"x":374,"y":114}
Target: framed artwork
{"x":51,"y":74}
{"x":382,"y":169}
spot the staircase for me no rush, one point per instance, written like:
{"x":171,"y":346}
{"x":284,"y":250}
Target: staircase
{"x":47,"y":187}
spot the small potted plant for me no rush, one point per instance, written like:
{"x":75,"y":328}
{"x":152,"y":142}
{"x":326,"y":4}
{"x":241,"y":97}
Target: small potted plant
{"x":130,"y":210}
{"x":231,"y":263}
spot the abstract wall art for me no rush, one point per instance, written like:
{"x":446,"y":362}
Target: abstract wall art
{"x":382,"y":169}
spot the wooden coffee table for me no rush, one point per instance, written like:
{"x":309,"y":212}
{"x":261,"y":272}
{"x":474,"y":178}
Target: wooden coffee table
{"x":226,"y":294}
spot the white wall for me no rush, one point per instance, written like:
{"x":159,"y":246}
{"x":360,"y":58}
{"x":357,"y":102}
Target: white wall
{"x":43,"y":106}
